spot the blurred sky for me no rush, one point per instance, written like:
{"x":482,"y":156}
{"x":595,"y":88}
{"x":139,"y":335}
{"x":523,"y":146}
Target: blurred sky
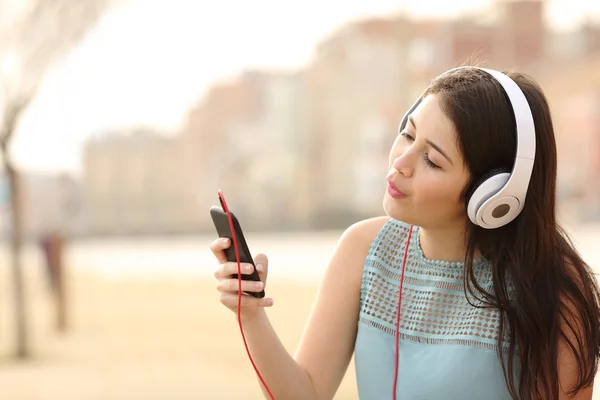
{"x":149,"y":60}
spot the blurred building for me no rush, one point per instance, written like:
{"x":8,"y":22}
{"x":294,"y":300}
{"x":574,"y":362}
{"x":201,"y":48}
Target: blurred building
{"x":574,"y":96}
{"x":206,"y":137}
{"x":356,"y":96}
{"x":247,"y":137}
{"x":310,"y":148}
{"x":512,"y":34}
{"x":50,"y":202}
{"x":134,"y":184}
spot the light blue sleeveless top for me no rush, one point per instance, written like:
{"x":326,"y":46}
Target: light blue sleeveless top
{"x":447,"y":348}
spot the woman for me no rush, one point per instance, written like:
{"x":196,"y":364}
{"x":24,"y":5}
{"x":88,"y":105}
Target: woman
{"x":509,"y":312}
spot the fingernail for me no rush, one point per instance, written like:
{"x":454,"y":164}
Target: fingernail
{"x":268,"y":302}
{"x":260,"y":267}
{"x":258,"y":285}
{"x":225,"y":241}
{"x":248,"y":268}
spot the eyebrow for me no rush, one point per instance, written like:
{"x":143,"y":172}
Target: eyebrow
{"x":412,"y":121}
{"x":429,"y":142}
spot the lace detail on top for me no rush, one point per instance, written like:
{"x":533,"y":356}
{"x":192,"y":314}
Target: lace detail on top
{"x":434,"y":306}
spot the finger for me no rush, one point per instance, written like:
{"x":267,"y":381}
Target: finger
{"x":232,"y":285}
{"x":231,"y":300}
{"x":262,"y":266}
{"x":218,"y":247}
{"x":231,"y":268}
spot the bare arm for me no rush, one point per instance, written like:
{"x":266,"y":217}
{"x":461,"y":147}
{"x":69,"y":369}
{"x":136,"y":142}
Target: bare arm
{"x":327,"y":344}
{"x":328,"y":341}
{"x":567,"y":373}
{"x":285,"y":378}
{"x":573,"y":328}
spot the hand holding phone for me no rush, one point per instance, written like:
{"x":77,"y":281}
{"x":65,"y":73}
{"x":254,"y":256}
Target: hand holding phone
{"x":222,"y":225}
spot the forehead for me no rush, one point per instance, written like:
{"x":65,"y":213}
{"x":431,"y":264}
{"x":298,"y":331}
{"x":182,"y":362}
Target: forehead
{"x":432,"y":124}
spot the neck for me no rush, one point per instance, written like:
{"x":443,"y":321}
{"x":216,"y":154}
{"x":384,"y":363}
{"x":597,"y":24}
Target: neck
{"x":444,"y":244}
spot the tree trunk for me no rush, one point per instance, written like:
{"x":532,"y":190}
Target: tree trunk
{"x":11,"y":118}
{"x":16,"y":239}
{"x":40,"y":37}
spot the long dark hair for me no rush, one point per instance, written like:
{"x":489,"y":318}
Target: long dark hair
{"x":542,"y":288}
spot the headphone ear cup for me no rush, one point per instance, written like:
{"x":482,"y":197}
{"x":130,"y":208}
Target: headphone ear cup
{"x":484,"y":178}
{"x":484,"y":188}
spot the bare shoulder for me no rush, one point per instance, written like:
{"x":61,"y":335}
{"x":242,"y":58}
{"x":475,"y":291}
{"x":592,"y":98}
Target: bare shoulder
{"x":359,"y":236}
{"x":352,"y":249}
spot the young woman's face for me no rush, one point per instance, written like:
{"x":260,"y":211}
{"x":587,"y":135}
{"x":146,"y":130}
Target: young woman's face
{"x":427,"y":170}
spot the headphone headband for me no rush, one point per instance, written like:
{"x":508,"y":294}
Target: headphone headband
{"x":500,"y":198}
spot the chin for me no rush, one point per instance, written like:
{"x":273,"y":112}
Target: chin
{"x":396,"y":210}
{"x":405,"y":211}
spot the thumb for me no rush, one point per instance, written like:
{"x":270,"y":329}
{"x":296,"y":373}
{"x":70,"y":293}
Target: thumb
{"x":262,"y":265}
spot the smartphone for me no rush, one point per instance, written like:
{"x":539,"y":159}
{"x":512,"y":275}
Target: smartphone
{"x":221,"y":222}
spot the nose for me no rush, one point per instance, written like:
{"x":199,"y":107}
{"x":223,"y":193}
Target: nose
{"x":404,"y":163}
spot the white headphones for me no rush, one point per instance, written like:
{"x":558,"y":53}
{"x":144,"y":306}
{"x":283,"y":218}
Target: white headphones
{"x":498,"y":198}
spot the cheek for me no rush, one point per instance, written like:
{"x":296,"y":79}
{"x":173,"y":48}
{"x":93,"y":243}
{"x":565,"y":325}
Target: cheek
{"x":439,"y":191}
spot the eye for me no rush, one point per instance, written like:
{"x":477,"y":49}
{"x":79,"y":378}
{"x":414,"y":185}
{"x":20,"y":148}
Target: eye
{"x":430,"y":163}
{"x":407,"y":136}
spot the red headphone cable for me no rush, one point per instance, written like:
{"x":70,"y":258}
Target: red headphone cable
{"x":239,"y":303}
{"x":399,"y":310}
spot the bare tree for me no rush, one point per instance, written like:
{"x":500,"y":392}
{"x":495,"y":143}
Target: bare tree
{"x":34,"y":35}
